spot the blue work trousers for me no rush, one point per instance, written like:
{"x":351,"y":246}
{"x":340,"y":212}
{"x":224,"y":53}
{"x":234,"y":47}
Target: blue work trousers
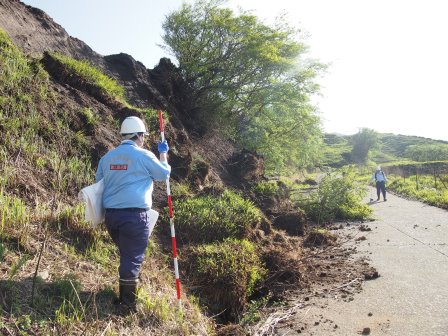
{"x":381,"y":188}
{"x":130,"y":232}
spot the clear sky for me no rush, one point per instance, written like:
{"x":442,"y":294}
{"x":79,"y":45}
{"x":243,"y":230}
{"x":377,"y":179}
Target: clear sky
{"x":388,"y":58}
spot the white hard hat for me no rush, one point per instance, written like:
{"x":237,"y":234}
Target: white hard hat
{"x":133,"y":125}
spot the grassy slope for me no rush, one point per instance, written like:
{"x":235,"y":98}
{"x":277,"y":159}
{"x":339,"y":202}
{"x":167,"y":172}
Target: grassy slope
{"x":49,"y":133}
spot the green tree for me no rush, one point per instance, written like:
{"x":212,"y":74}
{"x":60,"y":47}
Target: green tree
{"x":431,"y":152}
{"x":362,"y":143}
{"x":249,"y":78}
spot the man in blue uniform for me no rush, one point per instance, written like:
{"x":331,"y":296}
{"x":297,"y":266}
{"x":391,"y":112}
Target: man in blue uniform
{"x":380,"y":178}
{"x":128,"y":172}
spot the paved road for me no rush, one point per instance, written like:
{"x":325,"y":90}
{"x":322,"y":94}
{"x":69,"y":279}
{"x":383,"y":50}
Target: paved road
{"x":408,"y":245}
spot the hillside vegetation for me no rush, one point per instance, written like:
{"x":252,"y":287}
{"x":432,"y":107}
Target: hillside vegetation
{"x":47,"y":157}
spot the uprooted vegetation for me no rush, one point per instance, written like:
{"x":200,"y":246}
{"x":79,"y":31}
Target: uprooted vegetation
{"x":240,"y":235}
{"x":339,"y":197}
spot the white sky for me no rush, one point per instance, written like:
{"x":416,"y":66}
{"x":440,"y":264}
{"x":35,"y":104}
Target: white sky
{"x":388,"y":58}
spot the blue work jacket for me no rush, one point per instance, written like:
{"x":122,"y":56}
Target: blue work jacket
{"x":129,"y":172}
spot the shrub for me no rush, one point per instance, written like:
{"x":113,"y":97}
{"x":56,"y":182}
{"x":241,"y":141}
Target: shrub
{"x":339,"y":196}
{"x":226,"y":272}
{"x":213,"y":218}
{"x":353,"y":210}
{"x":152,"y":120}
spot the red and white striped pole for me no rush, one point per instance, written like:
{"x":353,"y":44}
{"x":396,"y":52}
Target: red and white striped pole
{"x":170,"y":211}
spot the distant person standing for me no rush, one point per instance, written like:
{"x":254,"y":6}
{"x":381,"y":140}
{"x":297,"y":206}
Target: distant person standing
{"x":380,"y":178}
{"x":128,"y":172}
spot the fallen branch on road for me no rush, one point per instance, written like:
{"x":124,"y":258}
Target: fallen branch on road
{"x":268,"y":326}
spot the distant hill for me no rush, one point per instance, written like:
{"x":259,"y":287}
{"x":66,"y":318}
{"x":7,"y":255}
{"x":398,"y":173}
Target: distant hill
{"x":397,"y":144}
{"x":392,"y":147}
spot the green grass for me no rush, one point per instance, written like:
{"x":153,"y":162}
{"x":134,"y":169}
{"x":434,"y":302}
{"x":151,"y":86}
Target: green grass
{"x":180,"y":190}
{"x":92,"y":75}
{"x":211,"y":218}
{"x":30,"y":135}
{"x":89,"y":116}
{"x":16,"y":266}
{"x":335,"y":155}
{"x":23,"y":85}
{"x":160,"y":307}
{"x":227,"y":273}
{"x":426,"y":188}
{"x":266,"y":188}
{"x":3,"y":251}
{"x":110,"y":87}
{"x":71,"y":309}
{"x":15,"y":217}
{"x":382,"y":157}
{"x":231,"y":259}
{"x":18,"y":74}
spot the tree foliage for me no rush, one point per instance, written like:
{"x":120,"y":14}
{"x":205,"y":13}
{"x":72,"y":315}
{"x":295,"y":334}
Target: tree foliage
{"x":363,"y":142}
{"x":249,"y":78}
{"x":429,"y":152}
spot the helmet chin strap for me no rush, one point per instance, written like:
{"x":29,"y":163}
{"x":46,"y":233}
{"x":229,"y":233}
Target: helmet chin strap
{"x":129,"y":136}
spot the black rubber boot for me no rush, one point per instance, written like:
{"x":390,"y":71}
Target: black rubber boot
{"x":128,"y":293}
